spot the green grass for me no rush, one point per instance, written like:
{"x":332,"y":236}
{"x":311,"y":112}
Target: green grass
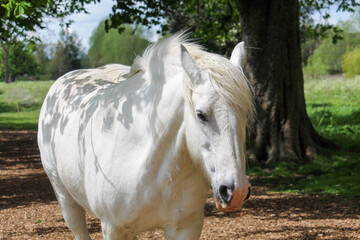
{"x":19,"y":120}
{"x":29,"y":95}
{"x":335,"y":174}
{"x":27,"y":92}
{"x":333,"y":104}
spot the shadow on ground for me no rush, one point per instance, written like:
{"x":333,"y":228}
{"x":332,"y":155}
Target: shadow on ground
{"x":22,"y":179}
{"x":23,"y":184}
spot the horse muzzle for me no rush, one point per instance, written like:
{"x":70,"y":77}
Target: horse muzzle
{"x":229,"y":198}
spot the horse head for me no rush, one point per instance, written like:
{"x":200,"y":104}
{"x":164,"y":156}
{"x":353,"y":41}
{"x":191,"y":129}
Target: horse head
{"x":219,"y":106}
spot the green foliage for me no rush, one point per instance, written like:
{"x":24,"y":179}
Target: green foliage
{"x":25,"y":60}
{"x":216,"y":23}
{"x":67,"y":55}
{"x":307,"y":50}
{"x":19,"y":17}
{"x":41,"y":57}
{"x":321,"y":7}
{"x":326,"y":59}
{"x":142,"y":12}
{"x":351,"y":62}
{"x":16,"y":8}
{"x":113,"y":47}
{"x":21,"y":60}
{"x":322,"y":56}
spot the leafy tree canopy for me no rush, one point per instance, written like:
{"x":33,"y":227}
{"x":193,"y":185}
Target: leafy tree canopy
{"x":67,"y":55}
{"x":216,"y":22}
{"x":327,"y":58}
{"x":114,"y":47}
{"x":351,"y":62}
{"x":21,"y":59}
{"x":322,"y":56}
{"x":19,"y":16}
{"x":322,"y":8}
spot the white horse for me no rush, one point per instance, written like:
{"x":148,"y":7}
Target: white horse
{"x":140,"y":147}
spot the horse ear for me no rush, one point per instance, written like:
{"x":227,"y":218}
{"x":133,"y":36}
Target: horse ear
{"x":190,"y":66}
{"x":238,"y":55}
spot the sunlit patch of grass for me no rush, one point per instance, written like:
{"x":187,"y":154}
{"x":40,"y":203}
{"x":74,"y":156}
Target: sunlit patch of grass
{"x":337,"y":174}
{"x":27,"y":93}
{"x":19,"y":120}
{"x":333,"y":105}
{"x":25,"y":97}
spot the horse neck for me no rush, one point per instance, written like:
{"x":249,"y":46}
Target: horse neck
{"x":171,"y":159}
{"x":169,"y":156}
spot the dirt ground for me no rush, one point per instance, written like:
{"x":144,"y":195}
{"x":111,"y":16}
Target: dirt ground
{"x":28,"y":208}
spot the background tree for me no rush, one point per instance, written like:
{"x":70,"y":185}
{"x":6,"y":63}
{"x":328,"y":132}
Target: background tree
{"x":67,"y":55}
{"x":322,"y":56}
{"x":351,"y":62}
{"x":216,"y":23}
{"x":271,"y":31}
{"x":283,"y":130}
{"x":19,"y":17}
{"x":21,"y":61}
{"x":9,"y":36}
{"x":41,"y":56}
{"x":327,"y":57}
{"x":113,"y":47}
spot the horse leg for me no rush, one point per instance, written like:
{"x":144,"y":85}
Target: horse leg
{"x":111,"y":232}
{"x":73,"y":213}
{"x":192,"y":230}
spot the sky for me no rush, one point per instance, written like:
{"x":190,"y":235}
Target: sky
{"x":84,"y":24}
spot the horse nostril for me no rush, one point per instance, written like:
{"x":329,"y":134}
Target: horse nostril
{"x":226,"y":193}
{"x":248,"y":195}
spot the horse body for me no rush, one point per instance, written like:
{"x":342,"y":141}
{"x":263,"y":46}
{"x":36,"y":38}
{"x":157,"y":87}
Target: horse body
{"x":119,"y":144}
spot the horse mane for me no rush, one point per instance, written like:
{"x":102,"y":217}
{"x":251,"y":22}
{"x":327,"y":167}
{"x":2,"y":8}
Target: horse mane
{"x":155,"y":53}
{"x":228,"y":80}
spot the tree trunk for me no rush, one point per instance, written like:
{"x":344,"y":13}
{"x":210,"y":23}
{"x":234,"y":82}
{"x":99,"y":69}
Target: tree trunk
{"x":283,"y":131}
{"x":12,"y":78}
{"x":6,"y":48}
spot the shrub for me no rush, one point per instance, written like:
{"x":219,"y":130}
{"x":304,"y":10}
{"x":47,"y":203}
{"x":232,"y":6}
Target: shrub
{"x":327,"y":58}
{"x":113,"y":47}
{"x":351,"y":62}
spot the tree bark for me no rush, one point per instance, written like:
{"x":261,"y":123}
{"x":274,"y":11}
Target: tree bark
{"x":6,"y":48}
{"x":283,"y":131}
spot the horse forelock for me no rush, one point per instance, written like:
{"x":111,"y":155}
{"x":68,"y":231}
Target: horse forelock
{"x":232,"y":85}
{"x":229,"y":82}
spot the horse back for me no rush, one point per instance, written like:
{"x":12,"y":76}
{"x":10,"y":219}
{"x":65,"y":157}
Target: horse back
{"x":66,"y":101}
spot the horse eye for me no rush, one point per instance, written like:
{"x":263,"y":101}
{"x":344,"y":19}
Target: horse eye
{"x":201,"y":116}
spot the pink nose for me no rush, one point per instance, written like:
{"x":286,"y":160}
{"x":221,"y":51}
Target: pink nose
{"x":230,"y":199}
